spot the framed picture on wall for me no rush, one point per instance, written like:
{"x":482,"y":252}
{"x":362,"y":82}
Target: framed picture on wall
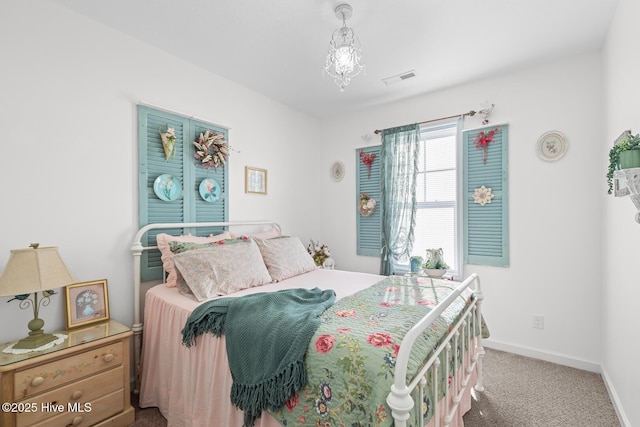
{"x":255,"y":180}
{"x":87,"y":302}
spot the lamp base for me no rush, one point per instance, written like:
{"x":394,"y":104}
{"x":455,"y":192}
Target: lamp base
{"x":34,"y":340}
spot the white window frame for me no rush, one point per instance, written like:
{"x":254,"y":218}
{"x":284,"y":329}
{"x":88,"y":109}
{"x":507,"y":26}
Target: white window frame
{"x":456,"y":273}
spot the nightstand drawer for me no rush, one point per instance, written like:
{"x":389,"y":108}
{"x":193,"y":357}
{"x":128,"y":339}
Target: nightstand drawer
{"x":101,"y":409}
{"x":45,"y":377}
{"x":71,"y":396}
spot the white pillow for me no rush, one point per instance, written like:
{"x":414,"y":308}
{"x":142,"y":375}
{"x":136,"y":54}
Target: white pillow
{"x":221,"y":270}
{"x":285,"y":257}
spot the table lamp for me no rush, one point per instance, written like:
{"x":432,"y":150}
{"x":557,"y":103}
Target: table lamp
{"x":30,"y":271}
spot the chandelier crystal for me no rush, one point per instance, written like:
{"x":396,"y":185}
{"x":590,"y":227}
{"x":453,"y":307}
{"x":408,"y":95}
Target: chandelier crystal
{"x":343,"y":57}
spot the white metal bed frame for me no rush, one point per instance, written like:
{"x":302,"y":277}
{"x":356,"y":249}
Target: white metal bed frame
{"x":399,"y":398}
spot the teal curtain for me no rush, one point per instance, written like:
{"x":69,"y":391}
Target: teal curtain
{"x":399,"y":157}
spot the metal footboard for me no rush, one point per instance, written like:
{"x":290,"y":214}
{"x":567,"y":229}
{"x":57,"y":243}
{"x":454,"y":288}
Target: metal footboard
{"x":399,"y":398}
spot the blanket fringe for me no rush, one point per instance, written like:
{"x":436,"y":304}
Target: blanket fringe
{"x":272,"y":392}
{"x":212,"y":322}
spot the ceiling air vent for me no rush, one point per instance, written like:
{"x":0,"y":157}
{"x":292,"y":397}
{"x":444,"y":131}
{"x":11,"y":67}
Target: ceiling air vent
{"x":399,"y":77}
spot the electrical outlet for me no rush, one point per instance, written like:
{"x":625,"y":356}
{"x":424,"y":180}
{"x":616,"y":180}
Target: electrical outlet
{"x":538,"y":321}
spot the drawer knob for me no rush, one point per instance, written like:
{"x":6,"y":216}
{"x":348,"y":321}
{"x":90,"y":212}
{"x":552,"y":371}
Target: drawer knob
{"x":76,"y":421}
{"x":108,"y":357}
{"x":76,"y":395}
{"x":37,"y":381}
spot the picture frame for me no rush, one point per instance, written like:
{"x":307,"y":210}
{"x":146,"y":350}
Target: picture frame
{"x":255,"y":180}
{"x":86,"y":303}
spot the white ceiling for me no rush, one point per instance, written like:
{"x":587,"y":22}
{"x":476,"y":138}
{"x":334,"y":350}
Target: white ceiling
{"x":278,"y":47}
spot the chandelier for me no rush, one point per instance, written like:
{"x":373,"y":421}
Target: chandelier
{"x":343,"y":57}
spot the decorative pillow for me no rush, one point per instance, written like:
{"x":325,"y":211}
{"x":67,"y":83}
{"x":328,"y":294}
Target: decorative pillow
{"x":267,"y":234}
{"x":222,"y":269}
{"x":163,"y":241}
{"x":182,"y":286}
{"x":285,"y":257}
{"x":179,"y":247}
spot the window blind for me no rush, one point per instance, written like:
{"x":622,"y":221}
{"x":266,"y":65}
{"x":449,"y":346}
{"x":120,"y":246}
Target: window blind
{"x":437,"y":194}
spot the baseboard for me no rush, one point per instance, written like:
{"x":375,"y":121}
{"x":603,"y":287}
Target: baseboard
{"x":615,"y":400}
{"x":543,"y":355}
{"x":566,"y":361}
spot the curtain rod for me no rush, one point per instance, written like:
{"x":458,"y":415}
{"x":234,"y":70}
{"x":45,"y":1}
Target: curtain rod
{"x":471,"y":113}
{"x":167,"y":110}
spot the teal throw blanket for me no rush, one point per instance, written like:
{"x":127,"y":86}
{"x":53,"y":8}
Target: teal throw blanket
{"x":267,"y":335}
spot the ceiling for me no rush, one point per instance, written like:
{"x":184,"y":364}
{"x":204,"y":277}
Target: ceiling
{"x":278,"y":47}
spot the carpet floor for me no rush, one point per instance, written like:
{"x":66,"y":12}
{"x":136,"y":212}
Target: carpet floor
{"x":525,"y":392}
{"x":519,"y":392}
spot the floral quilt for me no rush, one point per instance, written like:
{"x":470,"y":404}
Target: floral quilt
{"x":351,"y":358}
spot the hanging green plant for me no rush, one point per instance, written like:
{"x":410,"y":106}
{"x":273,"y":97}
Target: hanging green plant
{"x":631,"y":142}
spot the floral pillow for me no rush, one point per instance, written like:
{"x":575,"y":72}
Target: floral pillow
{"x":164,"y":241}
{"x":266,"y":234}
{"x":221,"y":269}
{"x":179,"y":247}
{"x":285,"y":257}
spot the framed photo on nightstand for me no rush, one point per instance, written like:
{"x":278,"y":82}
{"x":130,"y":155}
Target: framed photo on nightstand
{"x":87,"y":302}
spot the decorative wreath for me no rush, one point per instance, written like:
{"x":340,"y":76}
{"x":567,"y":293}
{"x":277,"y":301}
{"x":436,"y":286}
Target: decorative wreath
{"x":367,"y":204}
{"x":211,"y":149}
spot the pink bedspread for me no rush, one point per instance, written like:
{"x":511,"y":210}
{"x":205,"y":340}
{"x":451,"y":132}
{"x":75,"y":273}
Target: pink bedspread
{"x":191,"y":386}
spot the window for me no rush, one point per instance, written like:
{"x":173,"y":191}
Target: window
{"x":437,"y":215}
{"x":447,"y":216}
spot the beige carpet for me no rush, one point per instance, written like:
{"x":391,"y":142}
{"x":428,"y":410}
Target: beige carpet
{"x":525,"y":392}
{"x":519,"y":392}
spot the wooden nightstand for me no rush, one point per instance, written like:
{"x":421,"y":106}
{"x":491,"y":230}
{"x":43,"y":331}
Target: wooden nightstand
{"x":85,"y":381}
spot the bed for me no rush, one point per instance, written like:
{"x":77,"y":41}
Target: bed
{"x":427,"y":333}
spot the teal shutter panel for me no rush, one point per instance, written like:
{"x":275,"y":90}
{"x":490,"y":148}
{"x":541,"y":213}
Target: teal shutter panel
{"x":368,"y":227}
{"x":207,"y":211}
{"x":152,"y":163}
{"x":486,"y":228}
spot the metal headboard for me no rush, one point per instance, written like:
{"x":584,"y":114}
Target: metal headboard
{"x":137,"y":249}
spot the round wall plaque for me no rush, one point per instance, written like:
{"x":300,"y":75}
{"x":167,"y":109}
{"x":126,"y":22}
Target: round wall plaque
{"x":337,"y":171}
{"x":551,"y":146}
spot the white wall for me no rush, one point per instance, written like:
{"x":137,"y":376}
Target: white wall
{"x":555,"y":215}
{"x":69,"y":90}
{"x":621,"y":234}
{"x":68,"y":162}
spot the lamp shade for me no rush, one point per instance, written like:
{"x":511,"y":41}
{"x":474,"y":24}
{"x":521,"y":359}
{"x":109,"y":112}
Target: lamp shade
{"x":33,"y":270}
